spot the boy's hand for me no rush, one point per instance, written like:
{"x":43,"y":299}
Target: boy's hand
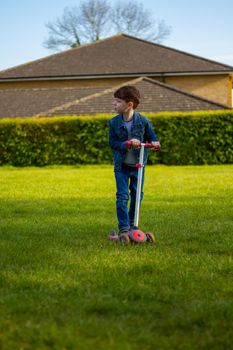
{"x":136,"y":143}
{"x":156,"y":145}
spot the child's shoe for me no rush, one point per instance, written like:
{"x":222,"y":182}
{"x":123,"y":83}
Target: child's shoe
{"x":124,"y":236}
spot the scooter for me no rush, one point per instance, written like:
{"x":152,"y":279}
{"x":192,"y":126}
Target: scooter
{"x":135,"y":235}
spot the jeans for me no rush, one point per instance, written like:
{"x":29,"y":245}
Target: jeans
{"x":126,"y":183}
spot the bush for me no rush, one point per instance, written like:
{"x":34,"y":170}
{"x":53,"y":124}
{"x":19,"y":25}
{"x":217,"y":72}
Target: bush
{"x":186,"y":138}
{"x":195,"y":138}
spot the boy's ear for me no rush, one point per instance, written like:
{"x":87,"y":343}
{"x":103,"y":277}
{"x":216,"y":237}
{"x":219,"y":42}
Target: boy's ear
{"x":130,"y":104}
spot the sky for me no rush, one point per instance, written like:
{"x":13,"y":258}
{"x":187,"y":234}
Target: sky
{"x":200,"y":27}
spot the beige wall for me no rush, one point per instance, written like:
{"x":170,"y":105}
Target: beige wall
{"x":213,"y":87}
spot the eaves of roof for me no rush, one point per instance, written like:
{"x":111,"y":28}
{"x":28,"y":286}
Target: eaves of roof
{"x":117,"y":75}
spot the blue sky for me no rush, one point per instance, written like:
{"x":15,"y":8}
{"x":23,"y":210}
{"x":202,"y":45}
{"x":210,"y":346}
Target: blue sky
{"x":201,"y":27}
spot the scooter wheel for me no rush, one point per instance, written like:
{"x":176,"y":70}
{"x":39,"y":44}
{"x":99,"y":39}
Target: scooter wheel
{"x":124,"y":238}
{"x":150,"y":238}
{"x":137,"y":236}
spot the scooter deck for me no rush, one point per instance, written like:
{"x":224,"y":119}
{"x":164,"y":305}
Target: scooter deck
{"x":134,"y":236}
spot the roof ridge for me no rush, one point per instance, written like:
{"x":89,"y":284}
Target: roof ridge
{"x":86,"y":98}
{"x":171,"y":87}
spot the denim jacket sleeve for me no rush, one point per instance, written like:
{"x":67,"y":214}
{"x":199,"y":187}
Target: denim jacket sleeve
{"x":114,"y":142}
{"x":149,"y":131}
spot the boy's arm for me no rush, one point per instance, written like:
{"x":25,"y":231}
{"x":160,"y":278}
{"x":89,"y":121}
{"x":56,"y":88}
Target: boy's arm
{"x":150,"y":135}
{"x":114,"y":143}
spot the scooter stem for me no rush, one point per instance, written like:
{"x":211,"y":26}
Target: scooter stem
{"x":139,"y":185}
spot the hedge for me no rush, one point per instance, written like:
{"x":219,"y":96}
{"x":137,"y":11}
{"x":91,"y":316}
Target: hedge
{"x":186,"y":138}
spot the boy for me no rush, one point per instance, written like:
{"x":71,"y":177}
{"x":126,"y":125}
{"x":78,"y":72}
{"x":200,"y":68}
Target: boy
{"x":128,"y":125}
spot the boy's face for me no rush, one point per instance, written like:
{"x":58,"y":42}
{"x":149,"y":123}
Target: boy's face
{"x":121,"y":106}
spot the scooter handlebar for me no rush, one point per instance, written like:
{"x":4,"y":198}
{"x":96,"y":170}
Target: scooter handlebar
{"x":146,"y":145}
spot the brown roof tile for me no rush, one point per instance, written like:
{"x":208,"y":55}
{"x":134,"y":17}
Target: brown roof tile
{"x":117,"y":55}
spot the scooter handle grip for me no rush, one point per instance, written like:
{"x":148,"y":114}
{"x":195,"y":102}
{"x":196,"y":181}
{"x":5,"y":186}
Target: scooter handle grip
{"x":129,"y":143}
{"x":150,"y":145}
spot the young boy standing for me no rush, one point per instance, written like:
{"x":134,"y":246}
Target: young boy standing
{"x":128,"y":125}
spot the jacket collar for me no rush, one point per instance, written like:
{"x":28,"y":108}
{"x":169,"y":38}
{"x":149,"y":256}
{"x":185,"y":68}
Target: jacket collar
{"x":136,"y":119}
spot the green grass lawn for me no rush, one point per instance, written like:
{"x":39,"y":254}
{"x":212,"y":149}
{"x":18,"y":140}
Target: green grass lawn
{"x":64,"y":286}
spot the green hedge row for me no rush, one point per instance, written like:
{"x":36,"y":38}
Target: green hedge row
{"x":186,"y":138}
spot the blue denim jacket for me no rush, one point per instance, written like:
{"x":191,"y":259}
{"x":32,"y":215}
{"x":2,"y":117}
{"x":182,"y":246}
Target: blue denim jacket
{"x":118,"y":134}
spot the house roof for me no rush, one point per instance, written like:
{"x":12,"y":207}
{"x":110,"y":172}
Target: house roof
{"x":28,"y":102}
{"x":119,"y":55}
{"x":156,"y":97}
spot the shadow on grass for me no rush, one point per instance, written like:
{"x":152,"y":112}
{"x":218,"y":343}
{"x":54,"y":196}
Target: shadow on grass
{"x":60,"y":276}
{"x":135,"y":299}
{"x":188,"y":223}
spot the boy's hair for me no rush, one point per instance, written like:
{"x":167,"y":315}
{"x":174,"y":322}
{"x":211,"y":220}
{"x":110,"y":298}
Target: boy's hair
{"x":128,"y":93}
